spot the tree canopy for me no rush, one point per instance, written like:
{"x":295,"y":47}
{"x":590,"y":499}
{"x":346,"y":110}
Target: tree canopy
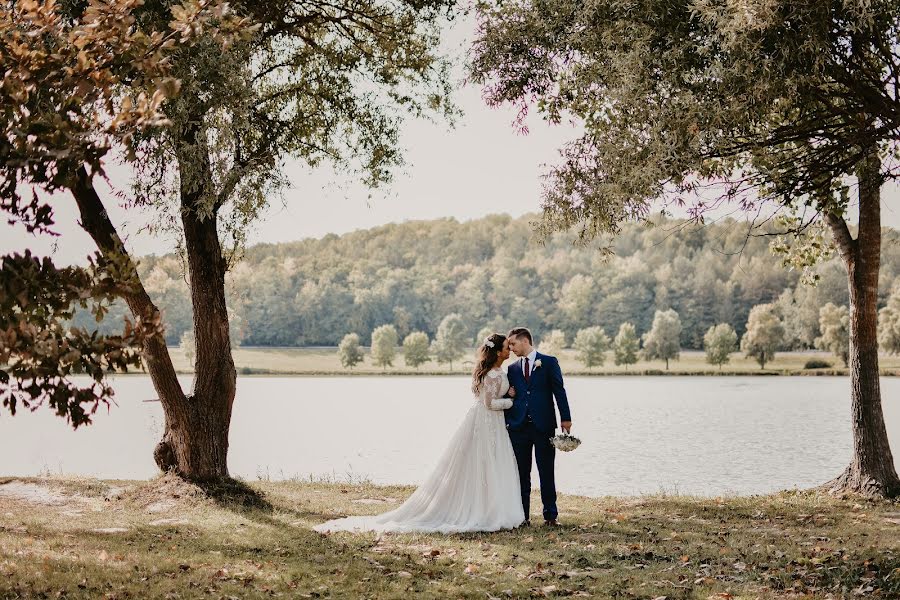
{"x":766,"y":105}
{"x":706,"y":102}
{"x":205,"y":105}
{"x":719,"y":342}
{"x":75,"y":88}
{"x":663,"y":339}
{"x":591,"y":345}
{"x":764,"y":334}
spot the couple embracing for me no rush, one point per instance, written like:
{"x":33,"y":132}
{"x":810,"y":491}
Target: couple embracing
{"x":482,"y":481}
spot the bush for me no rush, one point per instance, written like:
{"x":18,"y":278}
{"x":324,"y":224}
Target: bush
{"x":815,"y":363}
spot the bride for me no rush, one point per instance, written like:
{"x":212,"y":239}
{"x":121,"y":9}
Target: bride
{"x":475,"y":484}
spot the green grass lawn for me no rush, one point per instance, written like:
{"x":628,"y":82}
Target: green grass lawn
{"x":84,"y":538}
{"x":309,"y":361}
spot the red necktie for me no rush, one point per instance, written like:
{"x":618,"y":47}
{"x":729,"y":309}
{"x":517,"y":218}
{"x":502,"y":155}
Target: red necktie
{"x":527,"y":371}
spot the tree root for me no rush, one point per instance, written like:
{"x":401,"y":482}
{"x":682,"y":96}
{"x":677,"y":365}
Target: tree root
{"x":853,"y":482}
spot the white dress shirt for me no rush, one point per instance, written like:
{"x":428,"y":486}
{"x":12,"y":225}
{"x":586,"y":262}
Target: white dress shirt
{"x":531,"y":356}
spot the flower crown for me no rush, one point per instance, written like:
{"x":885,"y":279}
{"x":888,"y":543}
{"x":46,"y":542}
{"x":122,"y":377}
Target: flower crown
{"x":488,"y":342}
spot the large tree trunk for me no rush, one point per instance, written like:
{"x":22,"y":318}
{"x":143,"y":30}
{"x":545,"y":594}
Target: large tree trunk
{"x":871,"y":470}
{"x":198,"y":435}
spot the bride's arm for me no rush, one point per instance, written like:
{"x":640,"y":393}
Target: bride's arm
{"x":493,"y":383}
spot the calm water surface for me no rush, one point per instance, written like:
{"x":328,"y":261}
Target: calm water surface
{"x":700,"y":435}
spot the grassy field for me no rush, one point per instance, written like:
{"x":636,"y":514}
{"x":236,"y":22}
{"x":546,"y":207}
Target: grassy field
{"x":84,"y":538}
{"x":324,"y":361}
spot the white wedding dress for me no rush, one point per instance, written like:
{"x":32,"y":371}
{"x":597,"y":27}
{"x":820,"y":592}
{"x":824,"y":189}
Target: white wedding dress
{"x":474,"y":486}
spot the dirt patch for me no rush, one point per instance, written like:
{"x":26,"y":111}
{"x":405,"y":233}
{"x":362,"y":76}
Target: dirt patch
{"x":161,"y":506}
{"x":169,"y":521}
{"x":111,"y":530}
{"x":373,"y":500}
{"x":33,"y":493}
{"x":114,"y":493}
{"x":170,"y":492}
{"x":162,"y":494}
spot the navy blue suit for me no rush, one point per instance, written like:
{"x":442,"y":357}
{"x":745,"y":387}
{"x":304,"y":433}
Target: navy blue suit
{"x":531,"y":422}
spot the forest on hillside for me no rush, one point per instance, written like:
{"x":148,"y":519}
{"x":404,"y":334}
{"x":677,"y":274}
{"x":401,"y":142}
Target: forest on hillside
{"x":492,"y":273}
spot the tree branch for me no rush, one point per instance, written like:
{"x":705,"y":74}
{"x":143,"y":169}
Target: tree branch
{"x":95,"y":221}
{"x":842,"y":238}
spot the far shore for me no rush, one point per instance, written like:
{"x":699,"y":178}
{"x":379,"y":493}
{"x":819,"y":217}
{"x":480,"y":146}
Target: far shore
{"x":253,"y":372}
{"x":324,"y":362}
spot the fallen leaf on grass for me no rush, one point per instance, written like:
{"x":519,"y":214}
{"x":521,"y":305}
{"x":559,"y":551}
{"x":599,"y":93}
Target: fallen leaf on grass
{"x":243,"y":577}
{"x":471,"y":569}
{"x":543,"y":592}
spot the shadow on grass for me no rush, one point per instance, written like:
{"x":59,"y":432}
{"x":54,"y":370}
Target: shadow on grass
{"x":236,"y":495}
{"x":241,"y":498}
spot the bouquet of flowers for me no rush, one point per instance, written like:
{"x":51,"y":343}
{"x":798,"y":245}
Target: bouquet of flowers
{"x":565,"y":442}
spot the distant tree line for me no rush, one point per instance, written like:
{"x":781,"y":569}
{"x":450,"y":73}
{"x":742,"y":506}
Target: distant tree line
{"x":764,"y":335}
{"x":490,"y":274}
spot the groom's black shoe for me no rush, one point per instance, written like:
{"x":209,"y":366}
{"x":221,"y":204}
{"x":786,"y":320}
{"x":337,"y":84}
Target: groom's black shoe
{"x":525,"y":523}
{"x":551,"y":523}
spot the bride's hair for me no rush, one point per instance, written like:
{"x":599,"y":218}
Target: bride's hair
{"x":487,"y":357}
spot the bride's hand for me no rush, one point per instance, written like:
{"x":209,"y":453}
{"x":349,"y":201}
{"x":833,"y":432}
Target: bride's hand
{"x":512,"y":392}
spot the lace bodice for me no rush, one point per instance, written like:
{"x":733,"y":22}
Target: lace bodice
{"x":493,"y":388}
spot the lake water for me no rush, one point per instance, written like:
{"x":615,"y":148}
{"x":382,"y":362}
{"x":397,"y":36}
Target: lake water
{"x":699,"y":435}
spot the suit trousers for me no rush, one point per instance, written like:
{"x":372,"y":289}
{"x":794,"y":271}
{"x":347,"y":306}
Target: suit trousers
{"x":524,"y":440}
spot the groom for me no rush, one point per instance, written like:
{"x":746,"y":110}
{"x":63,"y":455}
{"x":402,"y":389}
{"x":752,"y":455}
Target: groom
{"x":531,"y":420}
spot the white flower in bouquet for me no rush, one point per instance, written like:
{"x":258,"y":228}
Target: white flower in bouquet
{"x":565,"y":442}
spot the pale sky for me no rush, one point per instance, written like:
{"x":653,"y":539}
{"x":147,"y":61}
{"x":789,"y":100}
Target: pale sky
{"x":483,"y":166}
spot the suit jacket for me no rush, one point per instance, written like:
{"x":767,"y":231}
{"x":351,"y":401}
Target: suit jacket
{"x":536,"y":396}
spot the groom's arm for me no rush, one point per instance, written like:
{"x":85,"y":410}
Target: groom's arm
{"x":559,"y":392}
{"x":511,"y":392}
